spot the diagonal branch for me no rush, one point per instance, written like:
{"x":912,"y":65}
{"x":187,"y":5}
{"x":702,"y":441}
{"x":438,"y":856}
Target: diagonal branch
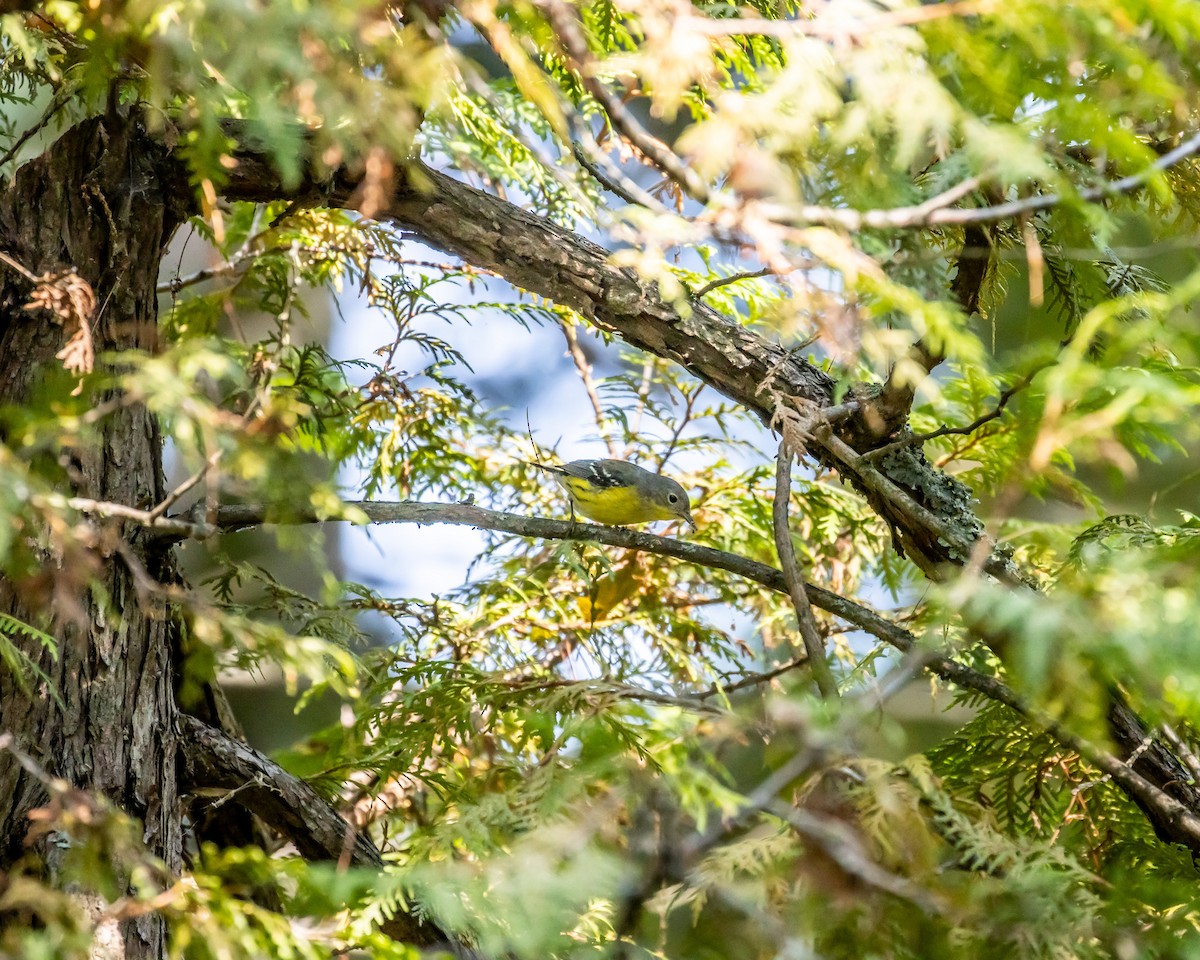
{"x":569,"y":30}
{"x":967,"y":429}
{"x":213,"y":761}
{"x":584,"y":368}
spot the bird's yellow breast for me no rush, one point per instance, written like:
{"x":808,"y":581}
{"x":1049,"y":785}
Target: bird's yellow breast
{"x":614,"y":506}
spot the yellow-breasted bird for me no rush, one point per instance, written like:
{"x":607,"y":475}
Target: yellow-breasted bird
{"x":616,"y":493}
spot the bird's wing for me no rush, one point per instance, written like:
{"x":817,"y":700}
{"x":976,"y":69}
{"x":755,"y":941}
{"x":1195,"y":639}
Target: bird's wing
{"x":601,"y":473}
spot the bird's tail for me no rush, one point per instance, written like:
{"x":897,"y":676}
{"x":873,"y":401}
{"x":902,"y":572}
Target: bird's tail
{"x":543,"y":466}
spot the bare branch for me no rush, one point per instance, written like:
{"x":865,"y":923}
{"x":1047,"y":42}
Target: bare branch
{"x":584,"y":369}
{"x":995,"y":413}
{"x":241,"y":516}
{"x":999,"y":567}
{"x":569,"y":30}
{"x":61,"y":98}
{"x":922,"y":215}
{"x":31,"y":277}
{"x":170,"y":528}
{"x":224,"y":269}
{"x":814,"y":643}
{"x":589,"y":156}
{"x":752,"y":679}
{"x":1186,"y":753}
{"x":732,"y":278}
{"x":215,"y":764}
{"x":213,"y":761}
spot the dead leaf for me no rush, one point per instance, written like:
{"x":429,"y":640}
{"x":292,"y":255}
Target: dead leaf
{"x":72,"y":303}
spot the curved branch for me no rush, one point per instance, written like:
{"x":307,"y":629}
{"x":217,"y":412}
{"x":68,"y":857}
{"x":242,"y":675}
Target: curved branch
{"x":564,"y":19}
{"x":925,"y":215}
{"x":213,"y":761}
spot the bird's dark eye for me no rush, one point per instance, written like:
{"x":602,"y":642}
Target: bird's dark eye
{"x":672,"y":498}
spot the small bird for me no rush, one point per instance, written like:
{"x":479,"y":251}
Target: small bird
{"x":616,"y":493}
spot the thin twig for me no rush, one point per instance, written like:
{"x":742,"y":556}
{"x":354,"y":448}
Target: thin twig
{"x":244,"y":253}
{"x":921,"y":215}
{"x":625,"y":691}
{"x":752,"y":679}
{"x":682,"y":422}
{"x":845,"y":848}
{"x":609,"y":183}
{"x":165,"y":527}
{"x":61,"y":96}
{"x":564,"y":20}
{"x":172,"y":498}
{"x":732,"y":278}
{"x":232,"y":265}
{"x":592,"y":158}
{"x":1186,"y":753}
{"x":814,"y":644}
{"x":993,"y":414}
{"x":584,"y":369}
{"x":31,"y":277}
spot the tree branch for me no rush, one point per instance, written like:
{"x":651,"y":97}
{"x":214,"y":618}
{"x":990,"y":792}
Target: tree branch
{"x":922,"y":215}
{"x":994,"y":414}
{"x":213,"y":761}
{"x":814,"y":644}
{"x":240,"y":516}
{"x":1000,"y":567}
{"x":732,"y":278}
{"x":584,"y":369}
{"x":564,"y":19}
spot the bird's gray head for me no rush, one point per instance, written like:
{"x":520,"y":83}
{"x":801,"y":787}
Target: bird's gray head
{"x":672,"y":498}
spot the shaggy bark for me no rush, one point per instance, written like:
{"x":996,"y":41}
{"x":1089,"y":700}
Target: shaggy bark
{"x":103,"y":202}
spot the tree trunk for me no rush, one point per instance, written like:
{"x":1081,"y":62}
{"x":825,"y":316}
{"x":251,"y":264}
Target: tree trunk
{"x":103,"y":200}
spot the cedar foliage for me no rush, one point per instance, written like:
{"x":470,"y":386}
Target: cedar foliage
{"x":591,"y":751}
